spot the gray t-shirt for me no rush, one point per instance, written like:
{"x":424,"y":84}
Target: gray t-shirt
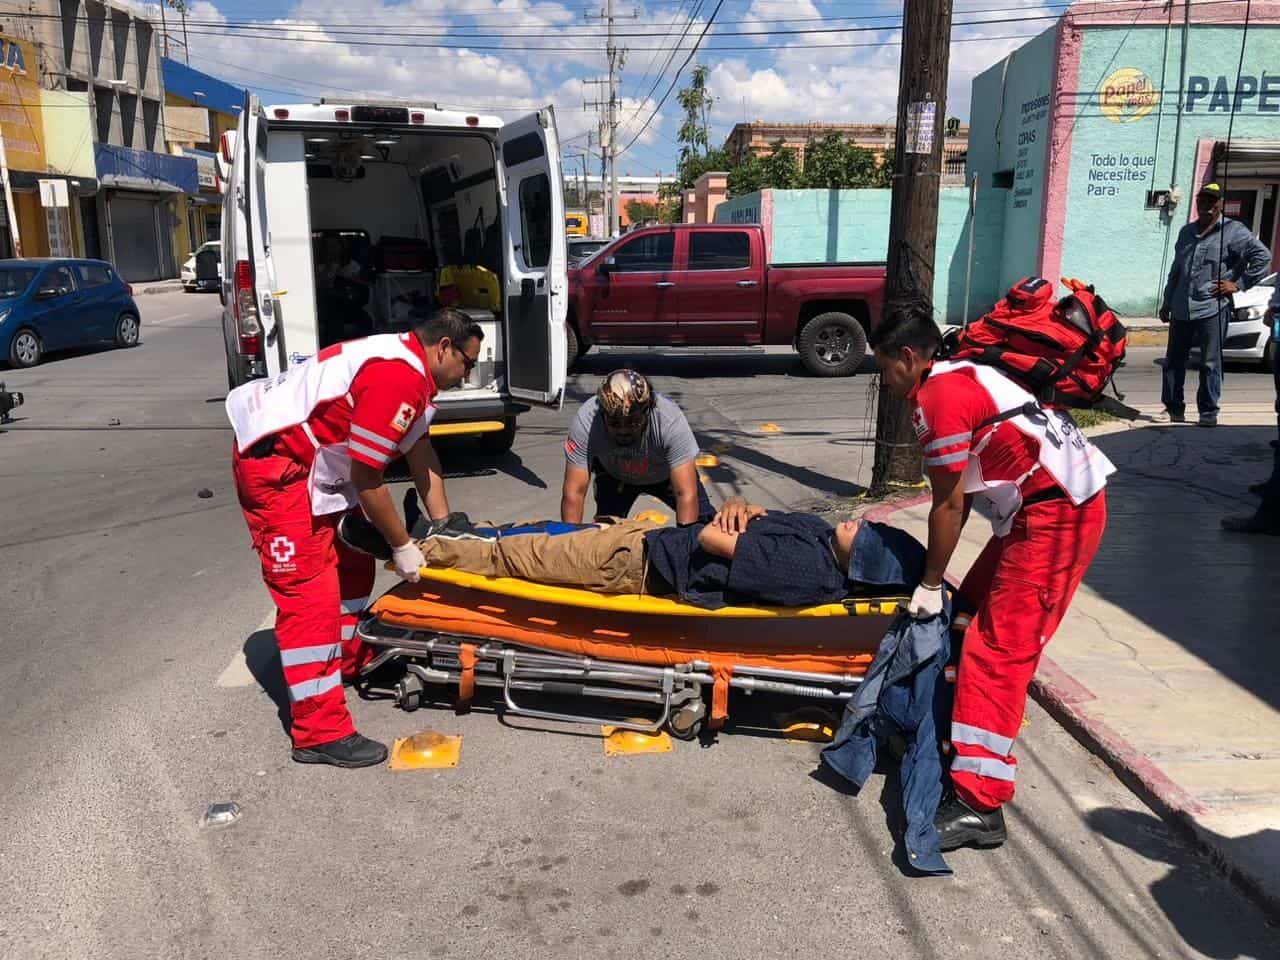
{"x":667,"y":443}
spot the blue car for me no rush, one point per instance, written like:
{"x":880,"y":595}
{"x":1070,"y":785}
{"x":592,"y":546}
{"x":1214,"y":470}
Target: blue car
{"x":59,"y":304}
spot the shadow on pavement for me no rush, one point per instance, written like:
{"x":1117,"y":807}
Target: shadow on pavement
{"x":1180,"y":892}
{"x":1165,"y":559}
{"x":262,"y":658}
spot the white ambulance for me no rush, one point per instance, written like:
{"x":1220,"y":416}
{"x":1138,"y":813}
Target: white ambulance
{"x":345,"y":219}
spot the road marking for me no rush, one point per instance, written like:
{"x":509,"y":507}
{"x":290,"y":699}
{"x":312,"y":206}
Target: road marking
{"x":237,"y":672}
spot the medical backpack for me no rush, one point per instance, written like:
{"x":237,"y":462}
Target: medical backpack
{"x":1064,"y":352}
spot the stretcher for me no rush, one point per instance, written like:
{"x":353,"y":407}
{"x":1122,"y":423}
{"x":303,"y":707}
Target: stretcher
{"x":675,"y":661}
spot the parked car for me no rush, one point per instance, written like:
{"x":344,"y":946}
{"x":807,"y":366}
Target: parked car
{"x":582,"y":247}
{"x":190,"y":281}
{"x":1248,"y":336}
{"x":711,"y":284}
{"x":59,"y":304}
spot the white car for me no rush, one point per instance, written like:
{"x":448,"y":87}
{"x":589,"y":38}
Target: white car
{"x":189,"y":281}
{"x":1248,"y":336}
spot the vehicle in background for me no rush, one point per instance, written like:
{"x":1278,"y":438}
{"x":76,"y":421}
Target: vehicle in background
{"x":342,"y":220}
{"x":576,"y":224}
{"x":712,"y":285}
{"x":48,"y":304}
{"x":1248,"y":335}
{"x":582,"y":247}
{"x":193,"y":279}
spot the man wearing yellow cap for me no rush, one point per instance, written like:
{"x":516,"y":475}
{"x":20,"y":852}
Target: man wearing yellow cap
{"x":1214,"y":257}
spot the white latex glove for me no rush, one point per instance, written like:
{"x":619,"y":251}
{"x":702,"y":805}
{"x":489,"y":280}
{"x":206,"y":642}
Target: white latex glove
{"x":926,"y":602}
{"x":408,"y":558}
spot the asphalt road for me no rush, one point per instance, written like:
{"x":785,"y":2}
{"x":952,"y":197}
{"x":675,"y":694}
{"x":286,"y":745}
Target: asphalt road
{"x":134,"y":627}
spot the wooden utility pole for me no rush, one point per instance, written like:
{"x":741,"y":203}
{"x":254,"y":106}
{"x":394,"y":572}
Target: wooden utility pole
{"x":913,"y":221}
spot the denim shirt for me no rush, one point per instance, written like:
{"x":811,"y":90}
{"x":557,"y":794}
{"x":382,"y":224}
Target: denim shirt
{"x":1227,"y":252}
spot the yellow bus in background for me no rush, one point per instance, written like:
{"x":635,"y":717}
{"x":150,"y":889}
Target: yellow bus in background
{"x":576,"y":224}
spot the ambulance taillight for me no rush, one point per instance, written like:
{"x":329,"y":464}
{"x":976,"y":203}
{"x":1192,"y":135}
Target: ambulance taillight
{"x":245,"y":306}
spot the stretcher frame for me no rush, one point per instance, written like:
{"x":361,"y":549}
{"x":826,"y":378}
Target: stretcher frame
{"x":435,"y":659}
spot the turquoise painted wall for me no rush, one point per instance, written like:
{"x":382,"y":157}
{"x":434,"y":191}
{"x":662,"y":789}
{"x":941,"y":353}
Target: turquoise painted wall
{"x":816,"y":226}
{"x":1008,"y":134}
{"x":1121,"y":148}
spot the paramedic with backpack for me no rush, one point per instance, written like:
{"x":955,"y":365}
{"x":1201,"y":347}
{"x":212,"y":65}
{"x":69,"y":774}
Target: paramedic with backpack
{"x":1044,"y":483}
{"x":312,"y":444}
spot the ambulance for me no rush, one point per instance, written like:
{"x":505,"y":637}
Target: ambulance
{"x":345,"y":219}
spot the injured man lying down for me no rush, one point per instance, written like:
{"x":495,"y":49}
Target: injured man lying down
{"x":745,"y":555}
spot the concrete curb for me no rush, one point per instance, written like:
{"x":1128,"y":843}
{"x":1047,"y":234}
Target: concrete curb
{"x":162,"y":286}
{"x":1063,"y":697}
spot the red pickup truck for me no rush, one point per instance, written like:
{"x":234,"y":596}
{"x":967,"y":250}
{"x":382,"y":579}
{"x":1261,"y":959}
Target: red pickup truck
{"x":699,"y":285}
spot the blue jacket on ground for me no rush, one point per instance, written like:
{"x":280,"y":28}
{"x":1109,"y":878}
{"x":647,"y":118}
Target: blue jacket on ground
{"x":902,"y":693}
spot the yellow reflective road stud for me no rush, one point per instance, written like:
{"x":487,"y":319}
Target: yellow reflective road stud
{"x":425,"y":751}
{"x":618,"y":743}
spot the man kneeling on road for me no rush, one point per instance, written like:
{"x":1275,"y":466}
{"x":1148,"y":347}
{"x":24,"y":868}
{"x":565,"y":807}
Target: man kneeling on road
{"x":635,"y":441}
{"x":311,"y":444}
{"x":984,"y":435}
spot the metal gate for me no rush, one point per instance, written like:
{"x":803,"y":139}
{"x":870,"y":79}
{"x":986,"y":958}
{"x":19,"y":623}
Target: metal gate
{"x":135,"y":237}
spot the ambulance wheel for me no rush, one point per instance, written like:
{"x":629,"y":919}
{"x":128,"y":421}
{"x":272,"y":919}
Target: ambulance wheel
{"x":500,"y":441}
{"x":832,"y":345}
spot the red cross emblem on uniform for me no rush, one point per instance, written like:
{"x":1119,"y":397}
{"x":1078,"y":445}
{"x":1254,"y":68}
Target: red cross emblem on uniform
{"x":282,"y":549}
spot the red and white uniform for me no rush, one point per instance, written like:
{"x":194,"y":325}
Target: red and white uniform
{"x":1026,"y":576}
{"x":364,"y":400}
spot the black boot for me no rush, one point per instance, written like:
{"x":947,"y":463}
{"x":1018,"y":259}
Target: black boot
{"x":959,"y":825}
{"x":351,"y":751}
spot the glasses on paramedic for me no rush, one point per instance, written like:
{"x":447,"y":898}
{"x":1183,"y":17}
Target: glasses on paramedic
{"x":468,"y":362}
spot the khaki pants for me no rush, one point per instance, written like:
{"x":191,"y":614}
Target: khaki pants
{"x":607,"y":560}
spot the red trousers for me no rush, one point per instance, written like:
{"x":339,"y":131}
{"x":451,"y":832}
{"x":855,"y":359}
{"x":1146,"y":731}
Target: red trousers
{"x":1021,"y":584}
{"x":319,"y":588}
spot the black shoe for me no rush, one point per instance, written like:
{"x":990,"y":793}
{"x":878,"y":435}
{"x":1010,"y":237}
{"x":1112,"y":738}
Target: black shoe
{"x":350,"y":751}
{"x":1250,"y":524}
{"x":959,"y":825}
{"x":362,"y":536}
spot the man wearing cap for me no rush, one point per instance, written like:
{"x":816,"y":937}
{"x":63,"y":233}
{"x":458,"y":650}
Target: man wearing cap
{"x":635,"y":441}
{"x":1214,"y":257}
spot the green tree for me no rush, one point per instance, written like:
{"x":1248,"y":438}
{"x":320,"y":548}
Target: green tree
{"x":695,"y":101}
{"x":834,"y":163}
{"x":781,"y":168}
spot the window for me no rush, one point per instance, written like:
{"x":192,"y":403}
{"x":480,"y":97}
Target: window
{"x":651,"y":253}
{"x":535,"y":219}
{"x":59,"y":278}
{"x":93,"y":274}
{"x":719,"y":251}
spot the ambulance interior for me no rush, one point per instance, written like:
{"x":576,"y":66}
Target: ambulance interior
{"x":401,"y":224}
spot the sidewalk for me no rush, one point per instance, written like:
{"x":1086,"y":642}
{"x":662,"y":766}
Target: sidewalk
{"x":1168,"y":664}
{"x":159,"y":286}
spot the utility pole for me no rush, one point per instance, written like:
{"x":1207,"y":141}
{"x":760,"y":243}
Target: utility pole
{"x":913,"y":219}
{"x":609,"y":123}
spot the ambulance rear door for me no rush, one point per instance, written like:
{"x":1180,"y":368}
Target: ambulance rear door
{"x":536,"y":288}
{"x":256,"y":277}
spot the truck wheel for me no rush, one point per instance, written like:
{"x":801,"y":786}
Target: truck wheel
{"x":500,"y":441}
{"x":832,"y":345}
{"x":576,"y":349}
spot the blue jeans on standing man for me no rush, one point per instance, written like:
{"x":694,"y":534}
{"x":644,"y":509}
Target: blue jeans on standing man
{"x":1207,"y":334}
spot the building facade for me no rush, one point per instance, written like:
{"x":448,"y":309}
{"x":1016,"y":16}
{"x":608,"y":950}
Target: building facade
{"x":1090,"y":142}
{"x":100,"y":76}
{"x":758,"y":137}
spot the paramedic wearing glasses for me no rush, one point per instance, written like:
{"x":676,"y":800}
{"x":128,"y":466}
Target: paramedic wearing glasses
{"x":1045,"y":485}
{"x":312,"y":444}
{"x":634,"y":441}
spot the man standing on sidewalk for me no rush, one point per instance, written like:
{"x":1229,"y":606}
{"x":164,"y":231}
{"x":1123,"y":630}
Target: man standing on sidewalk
{"x":1266,"y":519}
{"x":1214,"y":257}
{"x":1045,"y":485}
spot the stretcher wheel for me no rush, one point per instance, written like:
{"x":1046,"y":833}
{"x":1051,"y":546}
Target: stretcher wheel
{"x":408,"y":691}
{"x":685,"y":723}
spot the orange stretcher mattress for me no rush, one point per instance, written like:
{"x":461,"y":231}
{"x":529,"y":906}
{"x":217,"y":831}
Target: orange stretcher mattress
{"x":837,"y":639}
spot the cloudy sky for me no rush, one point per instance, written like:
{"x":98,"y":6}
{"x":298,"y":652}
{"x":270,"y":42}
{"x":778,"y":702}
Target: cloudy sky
{"x":784,"y":60}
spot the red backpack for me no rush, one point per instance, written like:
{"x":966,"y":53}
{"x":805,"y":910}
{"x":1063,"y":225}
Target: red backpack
{"x":1065,"y":353}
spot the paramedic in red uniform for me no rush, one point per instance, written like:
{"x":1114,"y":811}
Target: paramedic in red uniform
{"x":1044,"y":483}
{"x":312,"y":444}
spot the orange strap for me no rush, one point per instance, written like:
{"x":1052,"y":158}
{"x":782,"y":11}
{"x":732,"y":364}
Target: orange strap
{"x":720,"y":696}
{"x":467,"y":680}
